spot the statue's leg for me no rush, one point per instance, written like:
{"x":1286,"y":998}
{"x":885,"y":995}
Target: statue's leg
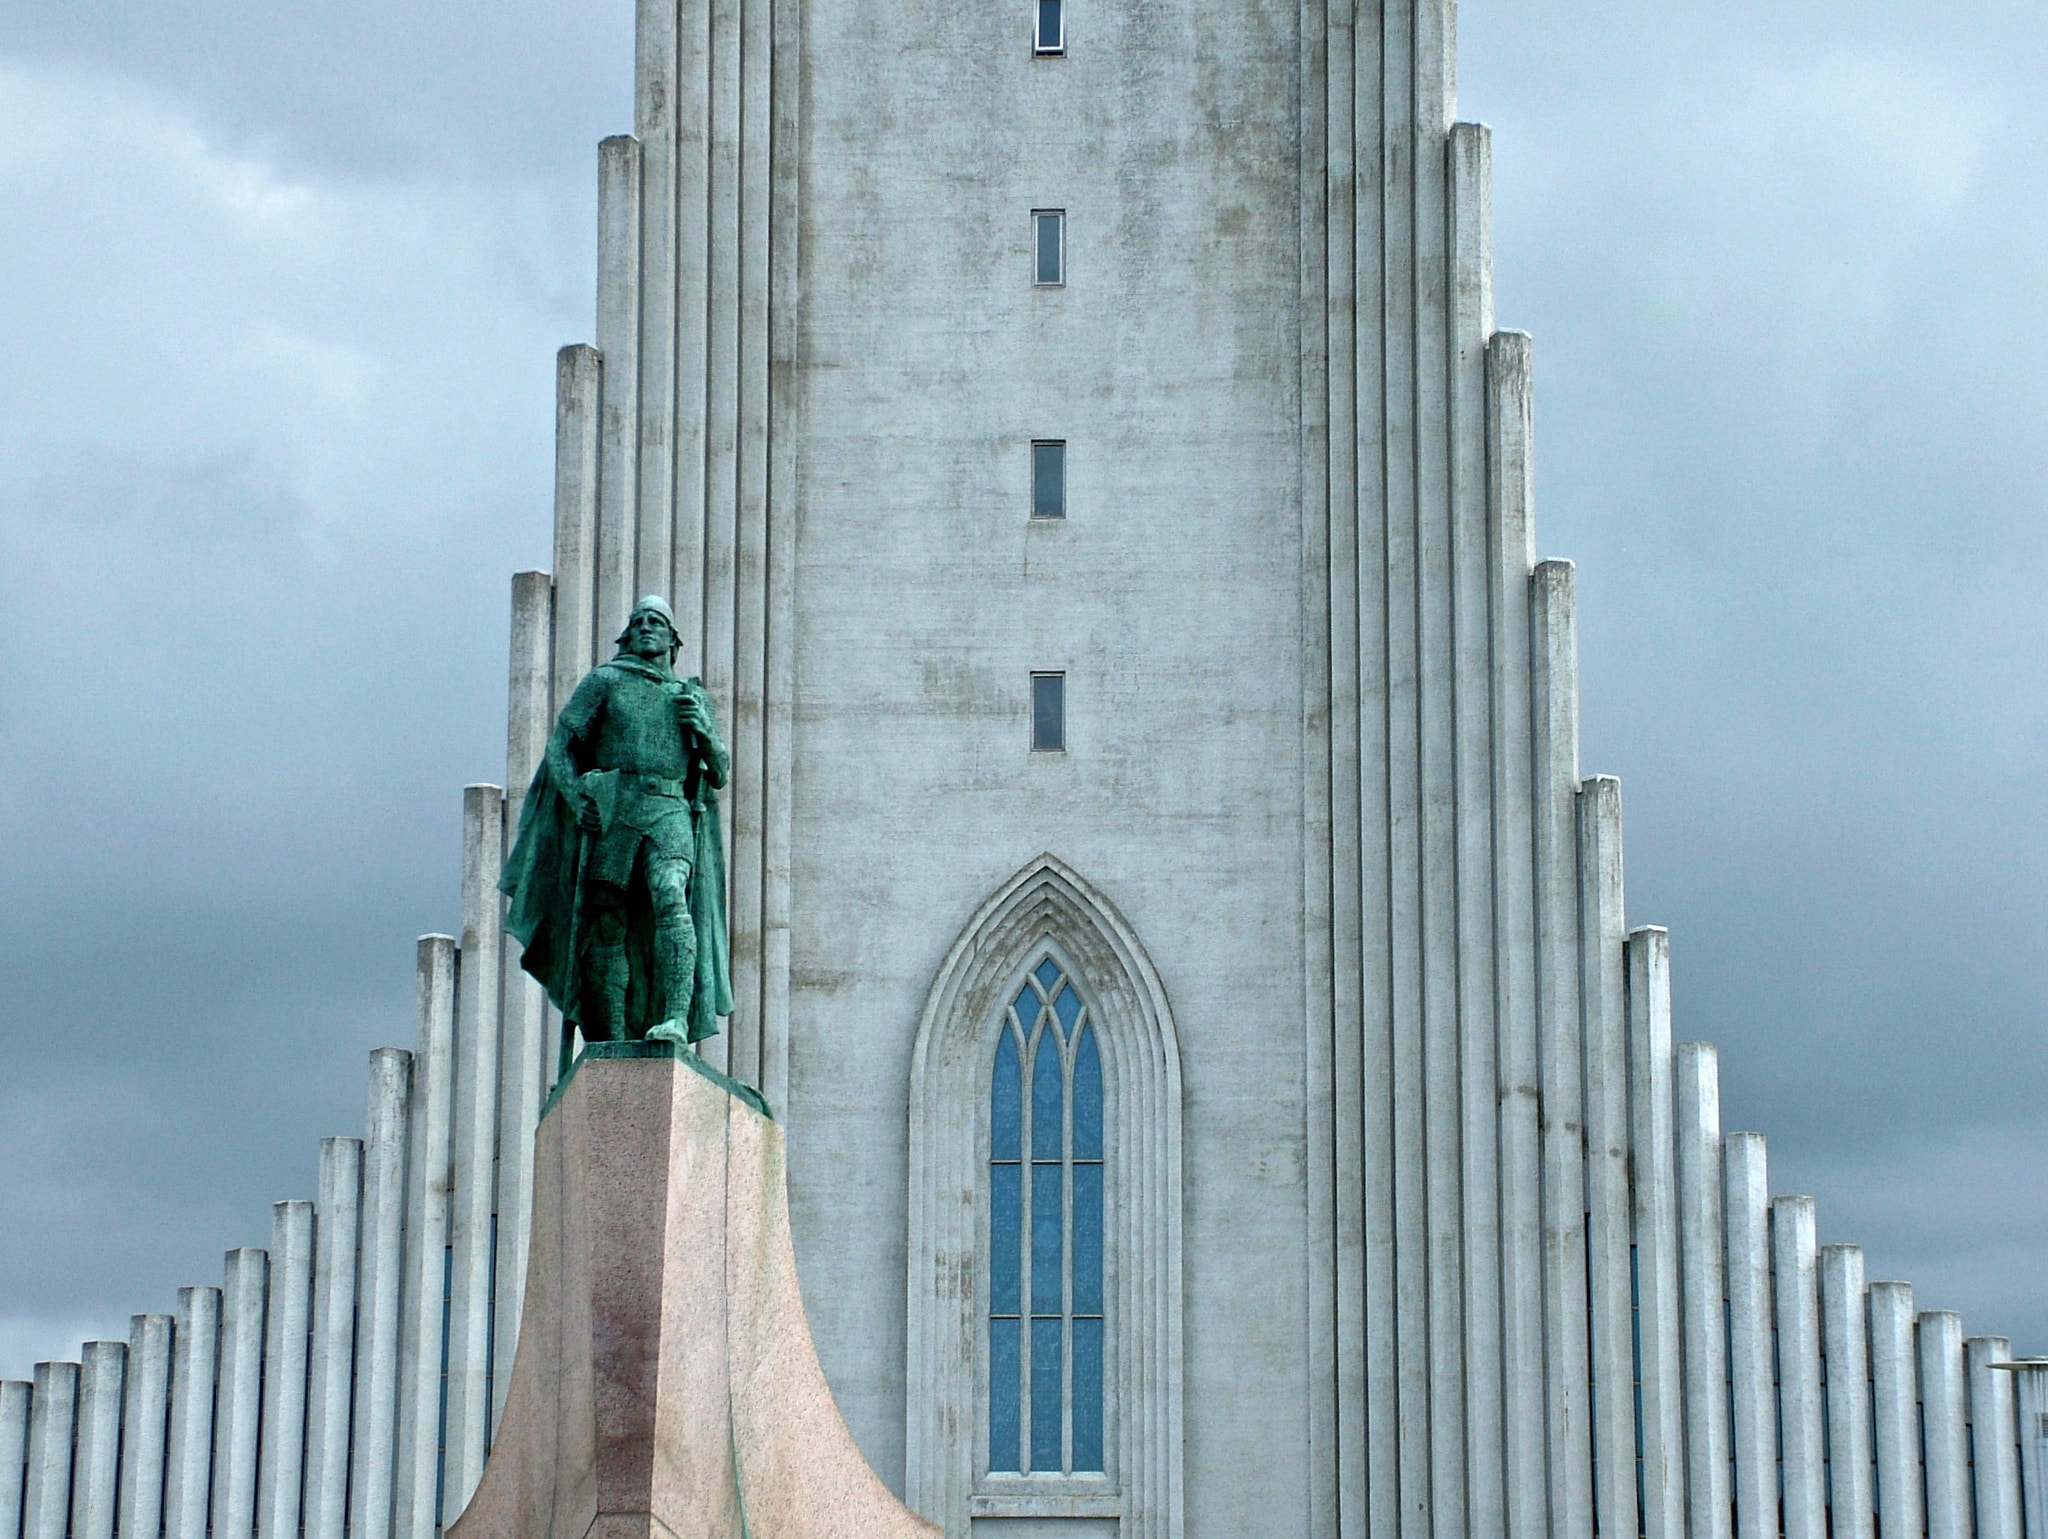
{"x":675,"y":934}
{"x":604,"y":966}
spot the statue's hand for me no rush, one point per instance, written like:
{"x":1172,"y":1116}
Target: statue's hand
{"x":587,"y":817}
{"x":691,"y":713}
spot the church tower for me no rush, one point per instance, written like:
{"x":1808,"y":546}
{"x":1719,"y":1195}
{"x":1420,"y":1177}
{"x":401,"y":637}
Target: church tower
{"x":1082,"y":436}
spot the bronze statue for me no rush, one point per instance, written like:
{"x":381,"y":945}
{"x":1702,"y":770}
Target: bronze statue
{"x":617,"y":878}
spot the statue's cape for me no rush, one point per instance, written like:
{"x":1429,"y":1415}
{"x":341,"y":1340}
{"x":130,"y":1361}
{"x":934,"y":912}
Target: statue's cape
{"x":540,"y":878}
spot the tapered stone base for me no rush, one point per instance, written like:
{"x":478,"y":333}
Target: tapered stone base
{"x":665,"y":1385}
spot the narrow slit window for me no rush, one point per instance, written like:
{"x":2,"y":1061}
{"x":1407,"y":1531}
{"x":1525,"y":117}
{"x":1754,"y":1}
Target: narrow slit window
{"x":1048,"y":247}
{"x":1048,"y":35}
{"x":1049,"y":478}
{"x":1048,"y":713}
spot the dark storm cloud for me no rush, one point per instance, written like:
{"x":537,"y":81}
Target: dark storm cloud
{"x":282,"y":284}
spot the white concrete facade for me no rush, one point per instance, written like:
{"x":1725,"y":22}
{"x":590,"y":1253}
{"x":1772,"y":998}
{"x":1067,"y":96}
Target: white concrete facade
{"x":1409,"y":1176}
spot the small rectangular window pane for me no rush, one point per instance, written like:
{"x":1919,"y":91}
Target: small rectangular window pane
{"x":1048,"y":228}
{"x":1087,"y":1395}
{"x":1087,"y":1099}
{"x":1048,"y":712}
{"x":1005,"y":1238}
{"x":1048,"y":38}
{"x":1047,"y":1088}
{"x":1048,"y":1212}
{"x":1049,"y":478}
{"x":1046,"y":1398}
{"x":1005,"y":1394}
{"x":1087,"y":1239}
{"x":1006,"y":1111}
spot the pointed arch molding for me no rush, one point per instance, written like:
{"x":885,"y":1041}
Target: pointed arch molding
{"x":1046,"y":907}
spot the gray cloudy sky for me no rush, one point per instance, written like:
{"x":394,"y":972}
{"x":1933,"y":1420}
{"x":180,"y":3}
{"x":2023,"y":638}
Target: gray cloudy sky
{"x":282,"y":285}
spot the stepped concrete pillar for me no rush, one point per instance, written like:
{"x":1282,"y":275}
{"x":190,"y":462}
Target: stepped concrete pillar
{"x":665,"y":1380}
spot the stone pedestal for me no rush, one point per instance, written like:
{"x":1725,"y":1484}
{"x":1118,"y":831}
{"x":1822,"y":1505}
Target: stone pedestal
{"x":665,"y":1385}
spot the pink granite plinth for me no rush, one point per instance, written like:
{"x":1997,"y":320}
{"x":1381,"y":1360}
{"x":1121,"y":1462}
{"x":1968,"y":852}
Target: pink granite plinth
{"x":665,"y":1385}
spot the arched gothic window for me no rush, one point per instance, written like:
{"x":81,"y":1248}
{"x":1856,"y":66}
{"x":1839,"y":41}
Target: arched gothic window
{"x":1045,"y":1294}
{"x":1045,"y":1248}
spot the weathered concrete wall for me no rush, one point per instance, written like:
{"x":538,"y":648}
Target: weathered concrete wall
{"x":1171,"y":595}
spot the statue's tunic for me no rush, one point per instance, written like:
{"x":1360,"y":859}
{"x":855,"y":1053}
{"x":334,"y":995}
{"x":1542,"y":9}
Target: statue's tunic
{"x":620,"y":741}
{"x":622,"y":718}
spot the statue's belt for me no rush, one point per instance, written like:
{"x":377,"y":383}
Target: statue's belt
{"x":651,"y":785}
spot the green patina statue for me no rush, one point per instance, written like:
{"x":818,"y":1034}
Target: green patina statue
{"x":617,"y":878}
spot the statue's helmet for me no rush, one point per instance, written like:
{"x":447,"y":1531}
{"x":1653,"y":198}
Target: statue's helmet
{"x":653,"y":604}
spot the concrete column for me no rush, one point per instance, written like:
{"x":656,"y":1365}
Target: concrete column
{"x":618,"y":342}
{"x":476,"y":1147}
{"x":1653,"y":1140}
{"x":96,"y":1465}
{"x":2030,"y":1391}
{"x":15,"y":1398}
{"x":712,"y":579}
{"x":655,"y":108}
{"x":784,"y":379}
{"x":1895,"y":1409}
{"x":697,"y":232}
{"x":1944,"y":1433}
{"x":1994,"y":1439}
{"x":238,"y":1406}
{"x":1845,"y":1334}
{"x":1746,"y":1215}
{"x":332,"y":1369}
{"x":1511,"y":492}
{"x":1603,"y":931}
{"x":379,"y":1290}
{"x":188,"y":1454}
{"x":1368,"y":1320}
{"x":1795,"y":1277}
{"x":280,"y":1470}
{"x":572,"y":606}
{"x":430,"y":1139}
{"x":1468,"y":205}
{"x":1555,"y":673}
{"x":1696,"y":1167}
{"x":529,"y":1026}
{"x":52,"y":1427}
{"x":1422,"y":735}
{"x":744,"y":809}
{"x":1398,"y":927}
{"x":145,"y":1426}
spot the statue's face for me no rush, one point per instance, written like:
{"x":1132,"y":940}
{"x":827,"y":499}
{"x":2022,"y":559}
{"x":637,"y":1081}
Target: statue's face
{"x":648,"y":636}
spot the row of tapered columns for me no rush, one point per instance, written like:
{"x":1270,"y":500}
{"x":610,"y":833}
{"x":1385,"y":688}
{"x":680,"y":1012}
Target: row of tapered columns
{"x":1836,"y":1409}
{"x":1559,"y":1304}
{"x":345,"y":1380}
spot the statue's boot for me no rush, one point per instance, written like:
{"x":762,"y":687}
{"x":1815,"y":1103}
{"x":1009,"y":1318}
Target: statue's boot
{"x":675,"y":946}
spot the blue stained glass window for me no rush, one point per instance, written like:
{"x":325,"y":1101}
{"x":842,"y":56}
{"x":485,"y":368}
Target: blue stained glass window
{"x":1046,"y":1215}
{"x":1006,"y":1227}
{"x":1045,"y":1393}
{"x":1005,"y":1395}
{"x":1087,"y":1099}
{"x":1006,"y":1122}
{"x":1046,"y":1261}
{"x":1047,"y":1094}
{"x":1087,"y":1239}
{"x":1087,"y":1394}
